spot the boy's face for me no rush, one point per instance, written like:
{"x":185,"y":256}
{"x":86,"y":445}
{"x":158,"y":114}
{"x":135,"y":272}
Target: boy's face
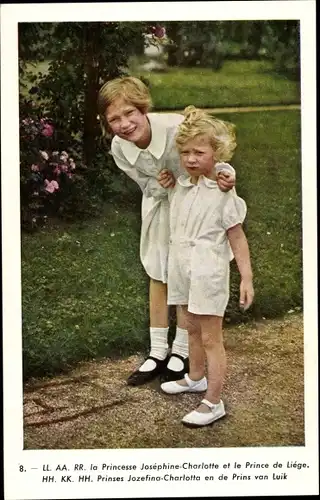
{"x":128,"y":122}
{"x":197,"y":157}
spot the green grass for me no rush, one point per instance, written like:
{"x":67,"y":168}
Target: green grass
{"x":85,"y":293}
{"x":268,"y":168}
{"x":238,"y":83}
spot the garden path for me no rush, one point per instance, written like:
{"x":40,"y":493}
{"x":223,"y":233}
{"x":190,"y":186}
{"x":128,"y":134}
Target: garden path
{"x":244,"y":109}
{"x":92,"y":407}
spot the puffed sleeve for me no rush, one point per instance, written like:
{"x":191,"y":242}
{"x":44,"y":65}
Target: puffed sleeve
{"x":148,"y":185}
{"x":234,"y":210}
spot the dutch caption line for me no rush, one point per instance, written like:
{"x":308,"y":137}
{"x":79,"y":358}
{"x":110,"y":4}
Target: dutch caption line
{"x":168,"y":472}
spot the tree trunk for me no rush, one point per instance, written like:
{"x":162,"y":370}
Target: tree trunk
{"x":91,"y":71}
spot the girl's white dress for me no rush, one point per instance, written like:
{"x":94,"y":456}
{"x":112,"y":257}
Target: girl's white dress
{"x":143,"y":166}
{"x":200,"y":253}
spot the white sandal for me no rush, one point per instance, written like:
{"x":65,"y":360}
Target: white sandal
{"x":193,"y":386}
{"x":199,"y":419}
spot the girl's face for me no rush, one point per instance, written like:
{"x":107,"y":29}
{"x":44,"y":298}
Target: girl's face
{"x":197,"y":157}
{"x":128,"y":122}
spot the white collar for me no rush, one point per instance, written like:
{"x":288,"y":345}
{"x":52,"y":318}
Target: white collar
{"x":185,"y":181}
{"x":156,"y":146}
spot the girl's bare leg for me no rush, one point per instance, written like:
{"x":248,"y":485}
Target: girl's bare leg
{"x":158,"y":307}
{"x":182,"y":317}
{"x":178,"y":362}
{"x":158,"y":336}
{"x":196,"y":352}
{"x":212,"y":340}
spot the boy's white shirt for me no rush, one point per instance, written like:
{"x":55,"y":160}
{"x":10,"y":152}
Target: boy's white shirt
{"x":220,"y":167}
{"x":185,"y":181}
{"x":199,"y":252}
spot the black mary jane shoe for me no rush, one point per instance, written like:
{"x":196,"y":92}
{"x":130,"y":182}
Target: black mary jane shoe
{"x":139,"y":378}
{"x":170,"y":375}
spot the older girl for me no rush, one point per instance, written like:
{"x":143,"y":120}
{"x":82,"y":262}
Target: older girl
{"x":143,"y":145}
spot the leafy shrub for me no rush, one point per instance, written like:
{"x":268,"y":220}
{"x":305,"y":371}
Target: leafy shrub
{"x":47,"y":175}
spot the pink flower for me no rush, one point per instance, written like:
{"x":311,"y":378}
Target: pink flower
{"x":27,"y":121}
{"x":72,"y":164}
{"x":70,"y":175}
{"x":44,"y":155}
{"x":64,"y":168}
{"x":51,"y":186}
{"x":64,"y":156}
{"x":158,"y":31}
{"x":47,"y":130}
{"x":57,"y":171}
{"x":34,"y":168}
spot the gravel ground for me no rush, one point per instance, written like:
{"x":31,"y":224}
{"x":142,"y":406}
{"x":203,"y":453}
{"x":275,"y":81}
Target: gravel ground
{"x":92,"y":407}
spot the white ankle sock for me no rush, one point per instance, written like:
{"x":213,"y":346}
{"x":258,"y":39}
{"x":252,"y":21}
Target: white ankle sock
{"x":180,"y":346}
{"x":159,"y":347}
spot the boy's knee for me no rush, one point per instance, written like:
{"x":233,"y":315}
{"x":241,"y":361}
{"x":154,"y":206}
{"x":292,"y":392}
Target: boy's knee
{"x":193,"y":325}
{"x":193,"y":329}
{"x":210,"y":341}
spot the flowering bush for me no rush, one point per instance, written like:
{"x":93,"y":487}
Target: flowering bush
{"x":46,"y":174}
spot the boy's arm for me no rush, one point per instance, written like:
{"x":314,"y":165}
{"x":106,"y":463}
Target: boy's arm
{"x":240,"y":249}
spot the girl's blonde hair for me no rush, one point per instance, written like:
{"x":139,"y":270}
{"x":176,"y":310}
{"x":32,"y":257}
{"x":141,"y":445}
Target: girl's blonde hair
{"x":221,"y":134}
{"x":130,"y":88}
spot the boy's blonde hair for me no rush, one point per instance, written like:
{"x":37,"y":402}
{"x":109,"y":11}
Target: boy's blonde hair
{"x":130,"y":88}
{"x":220,"y":134}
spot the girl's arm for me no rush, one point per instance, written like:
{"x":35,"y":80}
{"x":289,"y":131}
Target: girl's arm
{"x":240,"y":249}
{"x":226,"y":176}
{"x":166,"y":179}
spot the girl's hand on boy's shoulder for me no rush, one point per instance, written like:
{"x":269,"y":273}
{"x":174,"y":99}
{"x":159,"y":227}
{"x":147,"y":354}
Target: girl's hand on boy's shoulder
{"x":226,"y":181}
{"x":166,"y":179}
{"x":246,"y":294}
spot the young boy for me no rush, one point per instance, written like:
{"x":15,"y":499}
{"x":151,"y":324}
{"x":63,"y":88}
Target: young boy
{"x":205,"y":225}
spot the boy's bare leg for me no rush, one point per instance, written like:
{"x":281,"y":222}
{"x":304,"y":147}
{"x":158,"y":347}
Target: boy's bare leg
{"x":212,"y":340}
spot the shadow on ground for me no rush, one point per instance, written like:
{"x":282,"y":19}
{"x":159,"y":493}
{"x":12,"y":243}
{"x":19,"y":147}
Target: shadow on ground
{"x":92,"y":407}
